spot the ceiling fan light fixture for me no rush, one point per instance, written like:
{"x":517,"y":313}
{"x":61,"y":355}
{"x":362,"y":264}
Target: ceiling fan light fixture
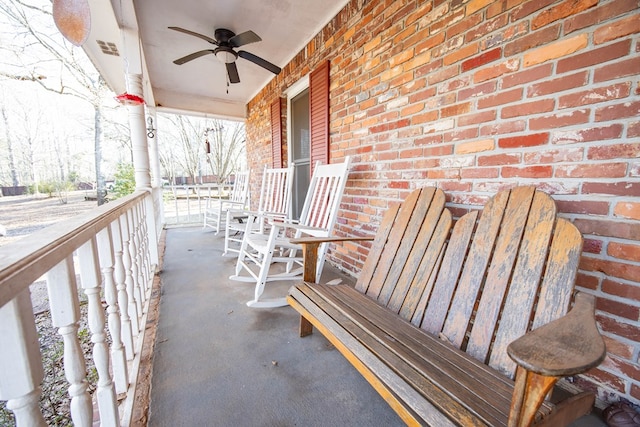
{"x":226,"y":56}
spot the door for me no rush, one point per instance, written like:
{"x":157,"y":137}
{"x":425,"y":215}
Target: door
{"x":300,"y":149}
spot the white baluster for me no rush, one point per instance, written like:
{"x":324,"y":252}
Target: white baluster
{"x":151,"y":230}
{"x":65,"y":313}
{"x":21,"y":363}
{"x":144,"y":265}
{"x":118,"y":357}
{"x":119,"y":275}
{"x":144,"y":243}
{"x":90,"y":280}
{"x":137,"y":258}
{"x":129,"y":281}
{"x":26,"y":409}
{"x":133,"y":253}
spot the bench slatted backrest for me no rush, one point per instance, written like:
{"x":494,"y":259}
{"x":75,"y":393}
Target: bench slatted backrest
{"x":396,"y":250}
{"x":502,"y":272}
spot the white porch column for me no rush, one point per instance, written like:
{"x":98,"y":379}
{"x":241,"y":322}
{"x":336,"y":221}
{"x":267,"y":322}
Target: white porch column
{"x":154,"y":156}
{"x":138,"y":134}
{"x":157,"y":207}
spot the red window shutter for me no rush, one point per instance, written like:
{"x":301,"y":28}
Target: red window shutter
{"x":319,"y":114}
{"x":276,"y":134}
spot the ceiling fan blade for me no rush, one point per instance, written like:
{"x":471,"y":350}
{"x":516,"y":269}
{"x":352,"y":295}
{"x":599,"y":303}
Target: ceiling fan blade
{"x":244,"y":38}
{"x":193,"y":33}
{"x":232,"y":70}
{"x":259,"y":61}
{"x":192,"y":56}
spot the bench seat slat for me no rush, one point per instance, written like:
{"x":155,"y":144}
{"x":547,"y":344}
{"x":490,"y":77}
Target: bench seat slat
{"x":466,"y":383}
{"x":422,"y":342}
{"x":411,"y":406}
{"x":410,"y":351}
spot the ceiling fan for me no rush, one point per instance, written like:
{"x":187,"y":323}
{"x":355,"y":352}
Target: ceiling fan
{"x":225,"y":42}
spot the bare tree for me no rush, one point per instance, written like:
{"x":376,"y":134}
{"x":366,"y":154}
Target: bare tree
{"x":187,"y":131}
{"x":10,"y":149}
{"x":190,"y":144}
{"x":53,"y":64}
{"x":226,"y":141}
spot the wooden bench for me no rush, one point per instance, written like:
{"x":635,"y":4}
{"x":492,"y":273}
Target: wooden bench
{"x":438,"y":317}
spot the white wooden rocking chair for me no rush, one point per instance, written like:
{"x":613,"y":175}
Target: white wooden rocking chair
{"x":259,"y":253}
{"x":275,"y":203}
{"x":216,"y":208}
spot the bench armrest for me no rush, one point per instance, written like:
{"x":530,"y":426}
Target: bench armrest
{"x":310,"y":247}
{"x":567,"y":346}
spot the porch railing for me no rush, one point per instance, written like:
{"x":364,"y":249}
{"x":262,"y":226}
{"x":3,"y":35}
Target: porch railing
{"x":185,"y":204}
{"x":110,"y":255}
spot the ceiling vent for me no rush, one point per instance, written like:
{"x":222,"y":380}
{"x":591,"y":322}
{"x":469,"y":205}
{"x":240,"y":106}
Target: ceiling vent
{"x":108,"y":48}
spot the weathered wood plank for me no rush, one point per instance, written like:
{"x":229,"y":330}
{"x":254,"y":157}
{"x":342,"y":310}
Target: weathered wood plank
{"x":469,"y":385}
{"x":562,"y":267}
{"x":436,"y":311}
{"x":417,"y":232}
{"x":500,"y":268}
{"x":421,"y":261}
{"x":418,"y":293}
{"x":393,"y":245}
{"x":375,"y":252}
{"x":474,"y":270}
{"x":411,"y":406}
{"x":524,"y":281}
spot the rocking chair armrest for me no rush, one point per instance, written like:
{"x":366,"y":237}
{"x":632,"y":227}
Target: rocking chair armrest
{"x":232,"y":204}
{"x":247,"y":214}
{"x":278,"y":216}
{"x":567,"y":346}
{"x":223,"y":203}
{"x":319,"y":240}
{"x":282,"y":222}
{"x":285,"y":223}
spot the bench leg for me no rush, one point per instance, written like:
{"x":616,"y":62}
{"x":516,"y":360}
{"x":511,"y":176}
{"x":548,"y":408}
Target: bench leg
{"x":569,"y":410}
{"x":306,"y":328}
{"x":529,"y":393}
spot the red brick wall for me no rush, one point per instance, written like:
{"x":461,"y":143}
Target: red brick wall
{"x":476,"y":95}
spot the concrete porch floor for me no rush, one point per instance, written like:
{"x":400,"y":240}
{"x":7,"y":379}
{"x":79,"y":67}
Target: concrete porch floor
{"x":218,"y":362}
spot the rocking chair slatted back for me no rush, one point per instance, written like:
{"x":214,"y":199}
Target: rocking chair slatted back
{"x":240,"y":191}
{"x":322,"y":201}
{"x":275,"y":194}
{"x":275,"y":202}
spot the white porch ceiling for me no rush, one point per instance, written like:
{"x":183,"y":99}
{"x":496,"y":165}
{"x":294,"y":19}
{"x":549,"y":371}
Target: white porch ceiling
{"x":200,"y":86}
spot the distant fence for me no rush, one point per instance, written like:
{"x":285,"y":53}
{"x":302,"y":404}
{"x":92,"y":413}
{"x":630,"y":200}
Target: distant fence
{"x":18,"y":190}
